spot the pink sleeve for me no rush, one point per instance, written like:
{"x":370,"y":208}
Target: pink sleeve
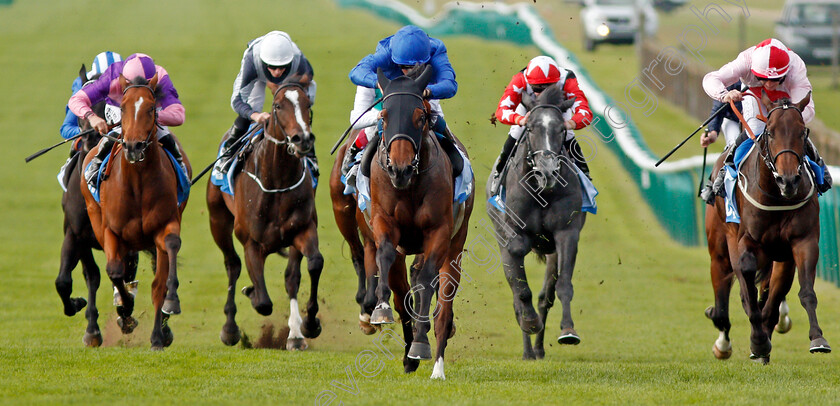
{"x":715,"y":83}
{"x":798,"y":86}
{"x":172,"y":115}
{"x":79,"y":104}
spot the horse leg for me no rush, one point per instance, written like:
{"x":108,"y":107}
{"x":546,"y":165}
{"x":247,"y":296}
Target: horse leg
{"x":115,"y":267}
{"x":385,"y":255}
{"x":546,"y":302}
{"x":435,"y":250}
{"x":93,"y":335}
{"x":308,"y":242}
{"x":778,"y":284}
{"x":64,"y":282}
{"x":746,"y":270}
{"x":172,"y":244}
{"x":806,"y":255}
{"x":398,"y":279}
{"x":369,"y":301}
{"x":344,"y":210}
{"x":567,"y":247}
{"x":721,"y":278}
{"x":255,"y":262}
{"x":161,"y":333}
{"x":295,"y":341}
{"x":513,"y":260}
{"x":221,"y":227}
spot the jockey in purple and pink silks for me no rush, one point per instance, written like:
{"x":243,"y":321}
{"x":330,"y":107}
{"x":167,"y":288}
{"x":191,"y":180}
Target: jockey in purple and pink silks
{"x":170,"y":111}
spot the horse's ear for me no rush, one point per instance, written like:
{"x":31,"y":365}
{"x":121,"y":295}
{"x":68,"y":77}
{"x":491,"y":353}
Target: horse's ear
{"x":83,"y":74}
{"x":566,"y":104}
{"x":304,"y":80}
{"x":382,"y":79}
{"x":153,"y":81}
{"x":765,"y":100}
{"x":425,"y":77}
{"x":124,"y":83}
{"x":804,"y":102}
{"x":272,"y":86}
{"x":527,"y":101}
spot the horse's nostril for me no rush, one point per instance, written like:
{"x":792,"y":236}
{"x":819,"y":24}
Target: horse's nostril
{"x":297,"y":138}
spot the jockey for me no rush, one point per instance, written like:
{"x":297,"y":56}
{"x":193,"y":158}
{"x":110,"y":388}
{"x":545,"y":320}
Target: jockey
{"x":170,"y":111}
{"x":272,"y":57}
{"x":725,"y":121}
{"x":778,"y":71}
{"x":70,"y":126}
{"x":406,"y":53}
{"x":541,"y":72}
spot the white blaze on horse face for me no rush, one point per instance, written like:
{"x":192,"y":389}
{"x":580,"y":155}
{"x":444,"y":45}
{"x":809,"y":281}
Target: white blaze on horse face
{"x":137,"y":105}
{"x":292,"y":96}
{"x":294,"y":320}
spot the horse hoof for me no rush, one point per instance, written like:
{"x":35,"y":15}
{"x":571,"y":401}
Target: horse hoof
{"x":532,"y":326}
{"x":784,"y":325}
{"x":382,"y":316}
{"x":311,"y":332}
{"x":419,"y":350}
{"x":760,"y":359}
{"x":365,"y":326}
{"x":230,"y":338}
{"x":76,"y":305}
{"x":171,"y":306}
{"x":819,"y":345}
{"x":568,"y":336}
{"x":157,"y":348}
{"x":127,"y":325}
{"x":410,"y":365}
{"x":539,"y":352}
{"x":92,"y":340}
{"x":709,"y":311}
{"x":296,"y":344}
{"x":721,"y":354}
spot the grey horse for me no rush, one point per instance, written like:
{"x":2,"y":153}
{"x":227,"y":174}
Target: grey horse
{"x":542,"y":214}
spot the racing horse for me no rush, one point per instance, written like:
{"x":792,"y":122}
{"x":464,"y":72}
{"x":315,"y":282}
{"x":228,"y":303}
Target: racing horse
{"x":139,"y":209}
{"x":272,"y":208}
{"x":412,"y":213}
{"x":542,"y":214}
{"x":779,"y":232}
{"x":79,"y":240}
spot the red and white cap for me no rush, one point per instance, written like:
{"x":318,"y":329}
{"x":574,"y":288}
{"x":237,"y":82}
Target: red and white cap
{"x":542,"y":69}
{"x":770,"y":60}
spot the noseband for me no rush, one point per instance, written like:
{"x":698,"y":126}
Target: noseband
{"x":143,"y":144}
{"x":290,"y":147}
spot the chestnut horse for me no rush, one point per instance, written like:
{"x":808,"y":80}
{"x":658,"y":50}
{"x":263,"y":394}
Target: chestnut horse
{"x":779,"y":229}
{"x":79,"y":240}
{"x":411,"y":213}
{"x":139,"y":210}
{"x":272,"y":208}
{"x":543,"y":214}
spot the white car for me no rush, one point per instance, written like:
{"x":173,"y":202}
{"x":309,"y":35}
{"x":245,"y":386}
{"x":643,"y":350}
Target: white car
{"x":805,"y":27}
{"x":615,"y":21}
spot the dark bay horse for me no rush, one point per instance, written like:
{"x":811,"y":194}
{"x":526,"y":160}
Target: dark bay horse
{"x":273,"y":208}
{"x":543,"y":214}
{"x":79,"y":240}
{"x":412,"y":213}
{"x":779,"y":232}
{"x":139,"y":210}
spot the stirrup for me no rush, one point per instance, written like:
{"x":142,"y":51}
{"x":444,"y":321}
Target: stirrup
{"x":92,"y":169}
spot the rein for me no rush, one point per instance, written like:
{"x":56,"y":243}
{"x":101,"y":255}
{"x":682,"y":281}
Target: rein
{"x":415,"y":163}
{"x":532,"y":153}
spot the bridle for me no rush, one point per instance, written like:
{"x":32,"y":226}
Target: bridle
{"x":287,"y":140}
{"x":531,"y":152}
{"x":765,"y":148}
{"x":385,"y":147}
{"x":143,"y":145}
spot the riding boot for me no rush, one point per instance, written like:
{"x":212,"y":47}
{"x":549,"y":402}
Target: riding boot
{"x":313,"y":162}
{"x":577,"y":154}
{"x":93,"y":168}
{"x":169,"y":144}
{"x":811,"y":152}
{"x":349,"y":158}
{"x":501,"y":162}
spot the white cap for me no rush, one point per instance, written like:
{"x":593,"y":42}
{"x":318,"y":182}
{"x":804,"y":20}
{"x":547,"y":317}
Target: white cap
{"x":277,"y":49}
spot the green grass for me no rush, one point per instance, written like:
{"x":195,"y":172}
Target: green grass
{"x":639,"y":296}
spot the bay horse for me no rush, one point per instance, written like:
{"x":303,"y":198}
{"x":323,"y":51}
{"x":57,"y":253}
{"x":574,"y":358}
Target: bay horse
{"x":543,"y":214}
{"x":139,"y":209}
{"x":778,"y":234}
{"x":79,"y":239}
{"x":411,"y":213}
{"x":273,"y":208}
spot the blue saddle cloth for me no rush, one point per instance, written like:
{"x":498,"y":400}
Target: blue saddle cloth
{"x":183,"y":179}
{"x":587,"y":198}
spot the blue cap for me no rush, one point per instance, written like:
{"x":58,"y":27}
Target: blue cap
{"x":410,"y":46}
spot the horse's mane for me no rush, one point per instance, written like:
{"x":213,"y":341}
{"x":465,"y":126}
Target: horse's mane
{"x":141,"y":81}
